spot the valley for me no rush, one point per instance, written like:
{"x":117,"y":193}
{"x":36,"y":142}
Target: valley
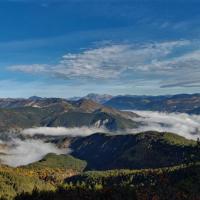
{"x":53,"y":148}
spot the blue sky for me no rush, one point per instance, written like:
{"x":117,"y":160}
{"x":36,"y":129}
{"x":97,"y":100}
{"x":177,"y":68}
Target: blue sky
{"x":69,"y":48}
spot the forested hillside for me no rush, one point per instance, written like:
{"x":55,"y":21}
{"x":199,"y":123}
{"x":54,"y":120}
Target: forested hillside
{"x":176,"y":183}
{"x":143,"y":150}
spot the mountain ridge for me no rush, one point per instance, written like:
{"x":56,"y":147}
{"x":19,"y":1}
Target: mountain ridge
{"x":59,"y":112}
{"x":185,"y":103}
{"x":132,"y":151}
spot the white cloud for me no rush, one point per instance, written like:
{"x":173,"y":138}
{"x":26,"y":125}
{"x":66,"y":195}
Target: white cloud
{"x":111,"y":61}
{"x":19,"y":152}
{"x":182,"y":71}
{"x":32,"y":69}
{"x":16,"y":152}
{"x":180,"y":123}
{"x":58,"y":131}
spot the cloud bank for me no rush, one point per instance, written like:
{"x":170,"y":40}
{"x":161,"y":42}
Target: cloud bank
{"x":182,"y":124}
{"x":18,"y":152}
{"x":58,"y":131}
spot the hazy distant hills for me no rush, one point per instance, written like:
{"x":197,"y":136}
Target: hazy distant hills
{"x":36,"y":101}
{"x":186,"y":103}
{"x":98,"y":97}
{"x":54,"y":112}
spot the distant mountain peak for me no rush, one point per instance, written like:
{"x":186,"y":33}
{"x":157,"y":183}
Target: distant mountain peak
{"x":87,"y":104}
{"x":35,"y":98}
{"x":99,"y":98}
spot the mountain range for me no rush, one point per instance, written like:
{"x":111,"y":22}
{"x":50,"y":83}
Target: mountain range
{"x":54,"y":112}
{"x":111,"y":164}
{"x":184,"y":103}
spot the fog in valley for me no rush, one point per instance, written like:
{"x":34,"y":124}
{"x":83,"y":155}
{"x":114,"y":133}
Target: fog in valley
{"x":24,"y":148}
{"x":182,"y":124}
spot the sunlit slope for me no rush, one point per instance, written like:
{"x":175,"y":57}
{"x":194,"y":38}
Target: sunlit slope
{"x":175,"y":183}
{"x":66,"y":114}
{"x":54,"y":161}
{"x":43,"y":175}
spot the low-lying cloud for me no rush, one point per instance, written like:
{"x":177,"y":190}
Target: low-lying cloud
{"x":22,"y":152}
{"x":182,"y":124}
{"x":58,"y":131}
{"x":16,"y":152}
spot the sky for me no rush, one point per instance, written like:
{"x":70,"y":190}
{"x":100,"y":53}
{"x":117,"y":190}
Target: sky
{"x":65,"y":48}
